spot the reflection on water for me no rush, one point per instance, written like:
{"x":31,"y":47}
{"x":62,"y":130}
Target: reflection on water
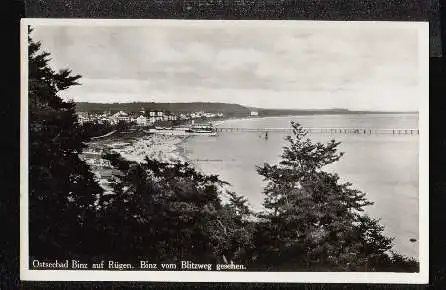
{"x":383,"y":166}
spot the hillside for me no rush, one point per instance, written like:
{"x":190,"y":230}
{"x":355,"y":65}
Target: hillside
{"x":227,"y":109}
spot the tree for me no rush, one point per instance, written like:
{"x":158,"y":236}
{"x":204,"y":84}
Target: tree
{"x":170,"y":212}
{"x":232,"y":229}
{"x":62,"y":190}
{"x":94,"y":129}
{"x":313,"y":221}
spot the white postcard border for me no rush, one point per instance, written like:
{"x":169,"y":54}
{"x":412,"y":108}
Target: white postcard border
{"x":215,"y":276}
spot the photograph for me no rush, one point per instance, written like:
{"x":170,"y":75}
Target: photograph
{"x":218,"y":150}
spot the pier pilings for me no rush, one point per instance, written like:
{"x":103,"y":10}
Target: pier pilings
{"x":366,"y":131}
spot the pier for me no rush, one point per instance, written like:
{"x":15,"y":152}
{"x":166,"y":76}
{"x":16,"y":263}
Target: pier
{"x":367,"y":131}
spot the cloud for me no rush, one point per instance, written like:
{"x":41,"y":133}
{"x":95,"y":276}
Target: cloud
{"x":234,"y":59}
{"x":265,"y":63}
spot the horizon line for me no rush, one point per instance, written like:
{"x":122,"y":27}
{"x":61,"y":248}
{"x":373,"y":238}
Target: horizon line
{"x":253,"y":107}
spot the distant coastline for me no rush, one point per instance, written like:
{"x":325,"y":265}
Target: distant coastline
{"x":219,"y":121}
{"x":228,"y":109}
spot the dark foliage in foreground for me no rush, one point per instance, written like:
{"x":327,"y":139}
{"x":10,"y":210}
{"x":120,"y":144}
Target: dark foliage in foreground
{"x":168,"y":212}
{"x":315,"y":222}
{"x":61,"y":187}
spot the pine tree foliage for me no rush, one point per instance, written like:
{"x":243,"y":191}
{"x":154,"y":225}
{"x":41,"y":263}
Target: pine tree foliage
{"x":61,"y":187}
{"x":313,"y":221}
{"x":170,"y":212}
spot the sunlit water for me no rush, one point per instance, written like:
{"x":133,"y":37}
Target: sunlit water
{"x":383,"y":166}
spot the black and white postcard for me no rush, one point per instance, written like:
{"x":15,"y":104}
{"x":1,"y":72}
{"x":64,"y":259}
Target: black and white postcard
{"x":237,"y":151}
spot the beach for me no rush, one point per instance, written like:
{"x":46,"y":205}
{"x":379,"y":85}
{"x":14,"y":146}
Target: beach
{"x":132,"y":147}
{"x":136,"y":148}
{"x":159,"y":147}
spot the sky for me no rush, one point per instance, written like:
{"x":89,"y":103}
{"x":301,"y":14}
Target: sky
{"x":265,"y":64}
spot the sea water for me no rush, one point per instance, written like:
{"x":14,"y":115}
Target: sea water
{"x":383,"y":166}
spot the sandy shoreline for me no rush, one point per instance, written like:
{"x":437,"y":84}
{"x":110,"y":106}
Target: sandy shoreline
{"x":159,"y":147}
{"x":136,"y":147}
{"x":132,"y":148}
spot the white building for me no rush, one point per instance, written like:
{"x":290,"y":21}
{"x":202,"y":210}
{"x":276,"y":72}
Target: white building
{"x":119,"y":116}
{"x":103,"y":120}
{"x":254,"y":113}
{"x":209,"y":115}
{"x":141,"y":121}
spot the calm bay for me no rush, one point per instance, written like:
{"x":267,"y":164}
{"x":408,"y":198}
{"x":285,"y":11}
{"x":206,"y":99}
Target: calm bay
{"x":382,"y":165}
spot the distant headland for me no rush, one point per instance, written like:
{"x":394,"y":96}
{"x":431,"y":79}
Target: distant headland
{"x":228,"y":109}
